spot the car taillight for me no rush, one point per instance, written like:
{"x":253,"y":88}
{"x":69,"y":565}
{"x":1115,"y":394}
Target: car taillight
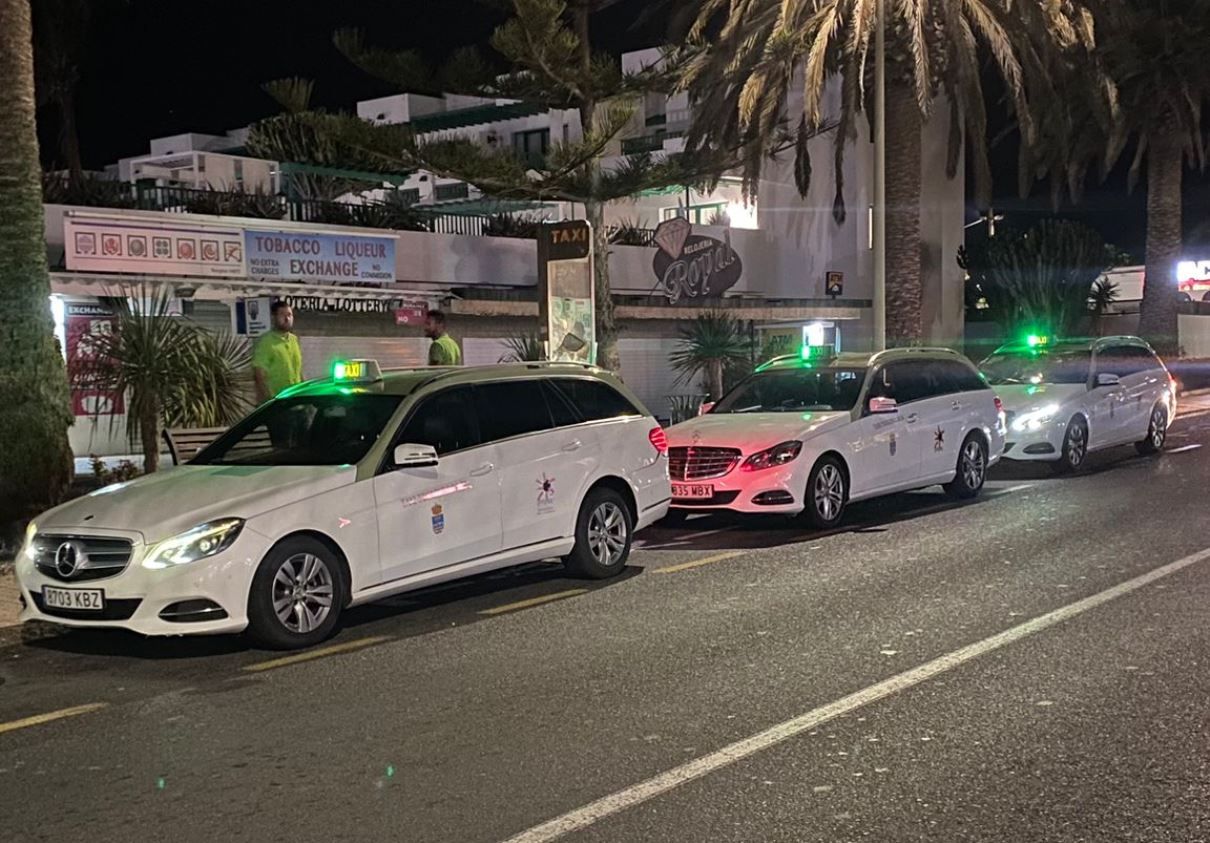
{"x":999,"y":405}
{"x":659,"y":439}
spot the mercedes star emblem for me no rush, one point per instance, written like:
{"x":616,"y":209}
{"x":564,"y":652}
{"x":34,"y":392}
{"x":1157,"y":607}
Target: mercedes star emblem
{"x":70,"y":557}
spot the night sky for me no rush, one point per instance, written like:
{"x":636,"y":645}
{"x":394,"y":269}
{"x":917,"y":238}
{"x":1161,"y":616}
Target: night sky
{"x":160,"y":67}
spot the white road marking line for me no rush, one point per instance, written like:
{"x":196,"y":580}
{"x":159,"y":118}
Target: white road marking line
{"x":1182,"y":449}
{"x":635,"y":794}
{"x":1020,"y":488}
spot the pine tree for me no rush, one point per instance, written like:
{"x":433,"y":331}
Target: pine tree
{"x":552,"y":63}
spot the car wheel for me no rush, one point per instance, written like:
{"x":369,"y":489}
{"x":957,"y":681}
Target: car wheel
{"x":1075,"y":448}
{"x":604,"y":530}
{"x":827,"y":494}
{"x":297,"y":595}
{"x":1157,"y":432}
{"x":971,"y":471}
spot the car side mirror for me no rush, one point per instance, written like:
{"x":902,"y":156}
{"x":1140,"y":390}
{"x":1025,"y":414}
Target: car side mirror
{"x":880,"y":406}
{"x":706,"y":407}
{"x":415,"y":456}
{"x":1107,"y":379}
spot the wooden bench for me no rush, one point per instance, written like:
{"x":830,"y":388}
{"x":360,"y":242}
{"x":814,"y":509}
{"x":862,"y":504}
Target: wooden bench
{"x":184,"y":443}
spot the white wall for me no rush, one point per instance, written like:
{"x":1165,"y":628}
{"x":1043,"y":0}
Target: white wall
{"x":1194,"y":335}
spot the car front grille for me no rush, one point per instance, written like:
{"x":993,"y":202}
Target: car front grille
{"x":93,"y":557}
{"x":697,"y":463}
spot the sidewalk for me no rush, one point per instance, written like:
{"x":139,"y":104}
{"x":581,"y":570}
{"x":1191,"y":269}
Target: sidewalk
{"x":8,"y":596}
{"x":1193,"y":403}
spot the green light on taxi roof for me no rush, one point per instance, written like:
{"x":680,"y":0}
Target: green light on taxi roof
{"x":1037,"y":340}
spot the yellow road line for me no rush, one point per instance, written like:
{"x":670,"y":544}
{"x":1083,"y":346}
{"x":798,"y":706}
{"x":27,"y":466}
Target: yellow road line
{"x":49,"y":717}
{"x":322,"y":652}
{"x":534,"y":601}
{"x":697,"y":563}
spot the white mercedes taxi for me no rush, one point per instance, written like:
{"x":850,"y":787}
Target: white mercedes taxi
{"x":1066,"y":399}
{"x":349,"y":489}
{"x":810,"y":433}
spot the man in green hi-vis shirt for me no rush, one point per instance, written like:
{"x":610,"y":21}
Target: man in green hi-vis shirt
{"x":444,"y":351}
{"x":277,"y":356}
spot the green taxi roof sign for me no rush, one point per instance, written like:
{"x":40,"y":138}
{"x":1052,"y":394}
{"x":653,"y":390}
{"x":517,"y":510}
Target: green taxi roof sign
{"x":356,"y":371}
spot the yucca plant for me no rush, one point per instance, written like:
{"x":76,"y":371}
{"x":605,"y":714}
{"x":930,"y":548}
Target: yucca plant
{"x":710,"y":345}
{"x":522,"y":347}
{"x":170,"y":370}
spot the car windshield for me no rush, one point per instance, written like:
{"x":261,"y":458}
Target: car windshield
{"x":795,"y":390}
{"x":335,"y":429}
{"x":1022,"y":367}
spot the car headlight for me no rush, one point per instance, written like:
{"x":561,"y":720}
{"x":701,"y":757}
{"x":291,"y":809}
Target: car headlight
{"x":1035,"y":419}
{"x":198,"y":543}
{"x":772,"y":457}
{"x":28,"y":550}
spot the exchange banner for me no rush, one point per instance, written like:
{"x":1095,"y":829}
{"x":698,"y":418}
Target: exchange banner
{"x":321,"y":258}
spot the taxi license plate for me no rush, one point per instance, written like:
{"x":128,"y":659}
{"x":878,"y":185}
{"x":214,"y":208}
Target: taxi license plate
{"x":78,"y":599}
{"x":692,"y":492}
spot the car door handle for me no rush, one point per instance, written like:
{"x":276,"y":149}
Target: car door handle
{"x":486,"y":468}
{"x":956,"y":405}
{"x":912,"y":419}
{"x":574,"y":445}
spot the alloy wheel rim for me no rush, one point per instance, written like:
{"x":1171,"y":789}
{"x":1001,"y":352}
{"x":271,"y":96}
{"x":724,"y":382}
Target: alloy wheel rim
{"x":829,"y":492}
{"x":607,"y":533}
{"x":973,"y":465}
{"x":1158,"y":432}
{"x":1075,"y":445}
{"x":302,"y":593}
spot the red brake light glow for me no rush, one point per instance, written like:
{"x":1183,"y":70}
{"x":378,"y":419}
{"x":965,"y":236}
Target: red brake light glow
{"x":999,"y":405}
{"x":659,"y":439}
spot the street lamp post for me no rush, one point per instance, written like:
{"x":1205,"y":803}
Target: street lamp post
{"x":880,"y":177}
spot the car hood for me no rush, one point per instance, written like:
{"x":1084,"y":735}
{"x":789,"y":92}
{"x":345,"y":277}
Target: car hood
{"x":752,"y":432}
{"x":1024,"y":398}
{"x":172,"y":501}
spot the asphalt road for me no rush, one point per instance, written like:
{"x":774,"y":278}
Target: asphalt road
{"x":1028,"y":667}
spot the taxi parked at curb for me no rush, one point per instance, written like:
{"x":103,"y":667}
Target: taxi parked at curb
{"x":354,"y":488}
{"x":810,"y":433}
{"x":1066,"y":399}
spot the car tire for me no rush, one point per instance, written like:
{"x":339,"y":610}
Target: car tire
{"x":971,"y":471}
{"x":604,"y":531}
{"x":297,"y":595}
{"x":827,"y":494}
{"x":1157,"y":432}
{"x":1074,"y":452}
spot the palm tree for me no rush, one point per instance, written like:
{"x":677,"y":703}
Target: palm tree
{"x":172,"y":372}
{"x":35,"y":460}
{"x":754,"y":54}
{"x":60,"y":30}
{"x":1147,"y":85}
{"x":712,"y":344}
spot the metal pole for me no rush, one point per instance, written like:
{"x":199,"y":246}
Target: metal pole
{"x":880,"y":177}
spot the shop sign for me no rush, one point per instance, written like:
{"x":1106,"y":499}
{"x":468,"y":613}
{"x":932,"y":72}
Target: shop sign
{"x":253,"y":317}
{"x":340,"y":304}
{"x":694,"y":266}
{"x":566,"y":294}
{"x":320,"y":258}
{"x":100,"y":243}
{"x":86,"y":325}
{"x":411,"y":313}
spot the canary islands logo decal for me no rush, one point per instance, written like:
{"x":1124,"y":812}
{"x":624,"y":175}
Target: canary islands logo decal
{"x":939,"y":440}
{"x":894,"y":445}
{"x":438,"y":519}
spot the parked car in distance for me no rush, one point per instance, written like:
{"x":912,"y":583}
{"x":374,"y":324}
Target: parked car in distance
{"x":810,"y":433}
{"x":1064,"y":399}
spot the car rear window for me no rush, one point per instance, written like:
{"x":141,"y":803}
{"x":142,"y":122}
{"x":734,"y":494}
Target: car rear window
{"x":595,"y":400}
